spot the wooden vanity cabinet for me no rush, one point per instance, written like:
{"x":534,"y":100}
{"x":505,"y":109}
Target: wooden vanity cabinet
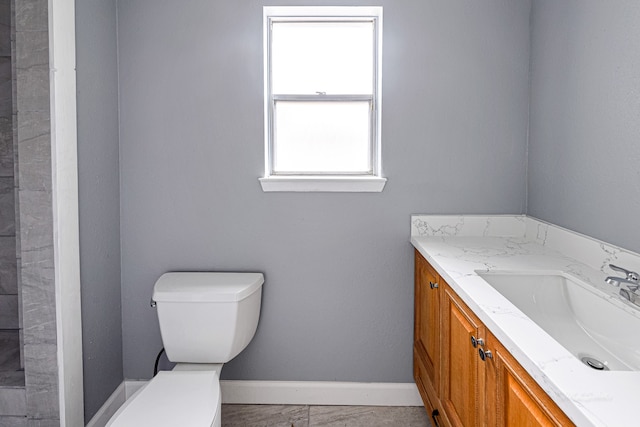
{"x":459,"y":387}
{"x":427,"y":317}
{"x":513,"y":397}
{"x":426,"y":346}
{"x":462,"y":379}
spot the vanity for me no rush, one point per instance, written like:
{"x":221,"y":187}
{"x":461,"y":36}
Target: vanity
{"x":515,"y":324}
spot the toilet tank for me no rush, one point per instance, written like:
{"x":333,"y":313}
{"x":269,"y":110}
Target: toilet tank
{"x":207,"y":317}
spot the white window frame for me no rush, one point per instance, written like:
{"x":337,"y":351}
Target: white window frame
{"x":344,"y":182}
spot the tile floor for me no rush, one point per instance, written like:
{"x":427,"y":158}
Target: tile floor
{"x":328,"y":416}
{"x":10,"y":373}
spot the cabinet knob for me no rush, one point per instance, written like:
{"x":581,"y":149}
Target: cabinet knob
{"x":485,"y":354}
{"x":475,"y":342}
{"x":434,"y":416}
{"x":433,"y":285}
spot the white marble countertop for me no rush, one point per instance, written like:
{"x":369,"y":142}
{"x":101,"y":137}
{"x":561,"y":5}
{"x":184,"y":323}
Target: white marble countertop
{"x":587,"y":396}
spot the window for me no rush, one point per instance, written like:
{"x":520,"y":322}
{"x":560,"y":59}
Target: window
{"x":322,"y":98}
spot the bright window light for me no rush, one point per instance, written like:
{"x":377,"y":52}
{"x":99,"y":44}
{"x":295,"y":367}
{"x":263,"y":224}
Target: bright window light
{"x":322,"y":137}
{"x":330,"y":57}
{"x":322,"y":97}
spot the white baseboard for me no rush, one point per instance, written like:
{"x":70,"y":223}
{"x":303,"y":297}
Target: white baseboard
{"x":286,"y":393}
{"x":320,"y":393}
{"x":110,"y":407}
{"x":132,"y":386}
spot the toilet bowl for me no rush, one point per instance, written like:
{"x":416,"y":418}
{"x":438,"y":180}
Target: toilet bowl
{"x":206,"y":319}
{"x":186,"y":398}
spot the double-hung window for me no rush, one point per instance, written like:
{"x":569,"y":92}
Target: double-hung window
{"x":322,"y":69}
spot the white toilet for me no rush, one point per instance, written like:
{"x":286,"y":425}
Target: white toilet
{"x":206,"y":319}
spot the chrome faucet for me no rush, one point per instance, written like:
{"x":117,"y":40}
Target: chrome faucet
{"x":632,"y":280}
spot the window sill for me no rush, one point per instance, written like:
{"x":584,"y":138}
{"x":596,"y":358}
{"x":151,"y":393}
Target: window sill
{"x":327,"y":184}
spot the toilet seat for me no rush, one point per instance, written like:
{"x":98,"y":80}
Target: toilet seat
{"x":173,"y":398}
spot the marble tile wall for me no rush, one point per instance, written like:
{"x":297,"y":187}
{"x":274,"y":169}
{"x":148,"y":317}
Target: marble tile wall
{"x":35,"y":247}
{"x":10,"y":374}
{"x":14,"y":150}
{"x":12,"y":391}
{"x":13,"y":421}
{"x":588,"y":250}
{"x":26,"y":422}
{"x":12,"y":401}
{"x":9,"y":317}
{"x":468,"y":225}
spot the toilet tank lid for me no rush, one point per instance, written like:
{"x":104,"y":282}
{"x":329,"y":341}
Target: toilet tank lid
{"x":206,"y":286}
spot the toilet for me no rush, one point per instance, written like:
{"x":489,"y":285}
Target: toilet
{"x":206,"y":319}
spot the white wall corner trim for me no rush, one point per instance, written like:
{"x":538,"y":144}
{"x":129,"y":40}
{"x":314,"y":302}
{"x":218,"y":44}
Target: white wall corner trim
{"x":285,"y":393}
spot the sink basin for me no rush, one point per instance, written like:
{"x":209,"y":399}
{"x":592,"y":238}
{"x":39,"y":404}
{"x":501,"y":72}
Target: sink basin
{"x":578,"y":316}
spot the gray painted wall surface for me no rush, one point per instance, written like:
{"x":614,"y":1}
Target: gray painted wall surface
{"x":99,"y":199}
{"x":338,"y":297}
{"x":584,"y":146}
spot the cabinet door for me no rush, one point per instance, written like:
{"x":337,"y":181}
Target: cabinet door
{"x":427,"y":319}
{"x":513,"y":397}
{"x":462,"y":381}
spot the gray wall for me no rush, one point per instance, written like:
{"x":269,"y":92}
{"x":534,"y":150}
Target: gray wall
{"x":99,"y":199}
{"x":338,"y":297}
{"x":584,"y":146}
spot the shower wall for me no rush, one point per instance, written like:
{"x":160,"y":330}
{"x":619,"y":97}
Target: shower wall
{"x":35,"y":242}
{"x":8,"y":270}
{"x":12,"y":380}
